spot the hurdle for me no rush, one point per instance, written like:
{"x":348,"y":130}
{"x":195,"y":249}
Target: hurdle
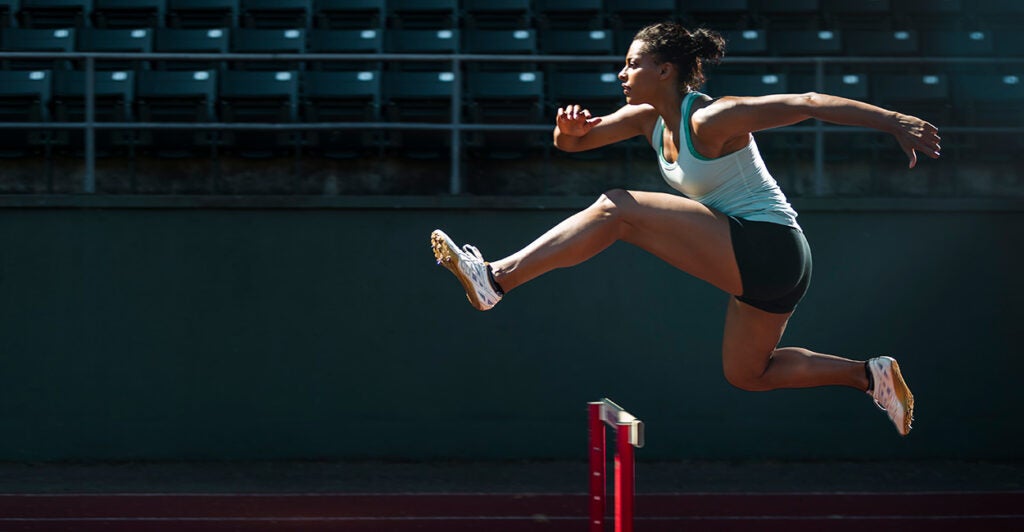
{"x":629,"y":433}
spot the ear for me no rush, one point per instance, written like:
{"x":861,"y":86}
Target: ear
{"x":666,"y":70}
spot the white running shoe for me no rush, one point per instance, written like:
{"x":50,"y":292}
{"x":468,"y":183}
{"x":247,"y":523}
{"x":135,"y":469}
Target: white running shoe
{"x":468,"y":265}
{"x":891,"y":393}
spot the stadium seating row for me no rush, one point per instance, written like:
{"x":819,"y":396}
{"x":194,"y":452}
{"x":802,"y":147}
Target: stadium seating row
{"x":456,"y":13}
{"x":997,"y":43}
{"x":491,"y":97}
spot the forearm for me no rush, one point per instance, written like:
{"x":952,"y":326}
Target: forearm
{"x":837,"y":110}
{"x":565,"y":142}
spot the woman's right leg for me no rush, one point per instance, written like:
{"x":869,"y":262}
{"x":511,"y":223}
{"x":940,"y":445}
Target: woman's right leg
{"x":680,"y":231}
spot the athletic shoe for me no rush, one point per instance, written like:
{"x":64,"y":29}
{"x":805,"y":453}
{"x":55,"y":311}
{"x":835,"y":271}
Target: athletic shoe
{"x":469,"y":267}
{"x":891,"y":393}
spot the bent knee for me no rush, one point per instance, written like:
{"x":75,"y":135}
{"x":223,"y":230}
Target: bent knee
{"x":615,"y":203}
{"x":750,"y":379}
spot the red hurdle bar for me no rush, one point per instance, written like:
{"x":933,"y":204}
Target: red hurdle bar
{"x":629,"y":433}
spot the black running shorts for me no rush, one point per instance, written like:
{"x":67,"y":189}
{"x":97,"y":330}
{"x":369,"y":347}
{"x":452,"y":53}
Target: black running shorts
{"x":774,"y":262}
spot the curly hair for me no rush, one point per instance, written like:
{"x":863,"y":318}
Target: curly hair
{"x":688,"y":50}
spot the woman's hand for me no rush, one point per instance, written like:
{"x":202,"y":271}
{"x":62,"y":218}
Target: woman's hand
{"x":916,"y":135}
{"x":574,"y":121}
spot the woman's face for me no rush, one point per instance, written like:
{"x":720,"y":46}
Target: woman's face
{"x":640,"y":76}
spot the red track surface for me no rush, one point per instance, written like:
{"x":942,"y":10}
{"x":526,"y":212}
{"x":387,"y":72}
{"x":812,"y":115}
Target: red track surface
{"x":795,"y":512}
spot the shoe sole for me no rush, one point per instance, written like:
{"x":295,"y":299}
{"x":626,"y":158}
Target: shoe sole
{"x":906,"y":398}
{"x":448,"y":258}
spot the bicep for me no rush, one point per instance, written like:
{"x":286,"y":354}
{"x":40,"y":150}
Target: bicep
{"x":733,"y":116}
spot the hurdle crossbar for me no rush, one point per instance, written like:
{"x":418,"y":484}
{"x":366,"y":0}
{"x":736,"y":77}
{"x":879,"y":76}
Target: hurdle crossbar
{"x":629,"y":433}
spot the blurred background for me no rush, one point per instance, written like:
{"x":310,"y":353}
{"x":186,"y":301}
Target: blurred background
{"x":214,"y":221}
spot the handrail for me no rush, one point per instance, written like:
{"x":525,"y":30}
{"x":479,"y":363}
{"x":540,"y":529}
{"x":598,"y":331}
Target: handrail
{"x":89,"y":124}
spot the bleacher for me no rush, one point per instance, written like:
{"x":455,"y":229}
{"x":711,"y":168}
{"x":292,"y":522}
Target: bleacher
{"x":402,"y":71}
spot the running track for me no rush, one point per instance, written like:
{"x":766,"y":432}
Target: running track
{"x":791,"y":512}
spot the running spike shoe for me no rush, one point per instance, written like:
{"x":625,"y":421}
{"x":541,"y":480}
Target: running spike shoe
{"x":891,"y":393}
{"x":468,"y":266}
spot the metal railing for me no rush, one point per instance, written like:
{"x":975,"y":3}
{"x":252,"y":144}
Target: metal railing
{"x":456,"y":126}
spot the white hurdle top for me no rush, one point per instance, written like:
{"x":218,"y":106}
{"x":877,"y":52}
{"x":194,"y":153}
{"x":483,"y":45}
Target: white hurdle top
{"x":614,"y":416}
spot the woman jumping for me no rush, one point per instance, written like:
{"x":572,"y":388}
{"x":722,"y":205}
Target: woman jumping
{"x":733,"y":227}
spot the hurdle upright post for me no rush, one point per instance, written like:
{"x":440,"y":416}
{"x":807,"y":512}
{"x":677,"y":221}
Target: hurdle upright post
{"x":629,"y":433}
{"x":624,"y":478}
{"x":598,"y":467}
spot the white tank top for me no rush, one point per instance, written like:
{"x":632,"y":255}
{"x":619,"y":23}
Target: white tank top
{"x":737,"y":184}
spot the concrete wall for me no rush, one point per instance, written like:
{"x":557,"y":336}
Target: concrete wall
{"x":144,"y":333}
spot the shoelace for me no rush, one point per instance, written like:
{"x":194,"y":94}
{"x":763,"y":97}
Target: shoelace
{"x":473,"y":251}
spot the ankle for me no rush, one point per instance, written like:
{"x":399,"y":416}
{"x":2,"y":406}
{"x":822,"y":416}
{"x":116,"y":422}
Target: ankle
{"x":494,"y":282}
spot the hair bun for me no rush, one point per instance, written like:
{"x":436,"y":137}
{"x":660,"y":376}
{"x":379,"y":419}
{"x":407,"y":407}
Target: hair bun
{"x":709,"y":45}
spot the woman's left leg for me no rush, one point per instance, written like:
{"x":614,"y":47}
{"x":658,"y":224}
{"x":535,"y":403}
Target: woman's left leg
{"x":752,"y":360}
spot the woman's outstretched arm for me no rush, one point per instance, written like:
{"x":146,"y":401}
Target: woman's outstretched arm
{"x":731,"y":117}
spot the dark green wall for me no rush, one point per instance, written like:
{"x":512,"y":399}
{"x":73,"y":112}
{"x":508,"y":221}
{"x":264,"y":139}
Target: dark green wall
{"x":331,"y":334}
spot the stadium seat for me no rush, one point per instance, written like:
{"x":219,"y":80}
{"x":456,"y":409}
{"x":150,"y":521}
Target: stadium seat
{"x":806,"y":42}
{"x":403,"y":90}
{"x":505,"y":98}
{"x":519,"y":41}
{"x":926,"y":6}
{"x":114,"y":92}
{"x":1008,"y":43}
{"x":789,"y":14}
{"x":425,"y":41}
{"x":718,"y":14}
{"x":419,"y":97}
{"x":129,"y":14}
{"x":202,"y":13}
{"x":176,"y":96}
{"x":509,"y":97}
{"x":745,"y":42}
{"x":497,"y":14}
{"x":54,"y":13}
{"x":925,"y":95}
{"x":37,"y":40}
{"x":597,"y":42}
{"x":882,"y":42}
{"x":138,"y":40}
{"x":929,"y":14}
{"x":601,"y":92}
{"x":8,"y":8}
{"x":24,"y":97}
{"x":268,"y":41}
{"x":176,"y":40}
{"x":259,"y":96}
{"x":722,"y":84}
{"x":423,"y":14}
{"x":991,"y":99}
{"x":569,"y":14}
{"x":348,"y":14}
{"x":276,"y":13}
{"x":364,"y":41}
{"x":114,"y":99}
{"x":853,"y":86}
{"x":958,"y":43}
{"x":861,"y":7}
{"x":333,"y":96}
{"x":860,"y":15}
{"x":998,"y":7}
{"x":628,"y":16}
